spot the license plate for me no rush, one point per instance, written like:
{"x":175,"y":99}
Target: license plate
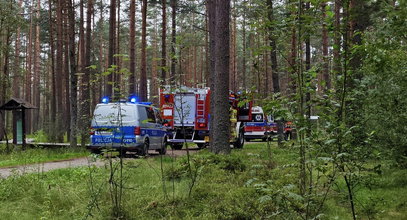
{"x":206,"y":139}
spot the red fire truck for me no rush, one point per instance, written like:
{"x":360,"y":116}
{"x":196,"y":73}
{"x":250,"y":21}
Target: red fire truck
{"x":187,"y":115}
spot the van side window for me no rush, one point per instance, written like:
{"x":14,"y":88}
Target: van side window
{"x":158,"y":116}
{"x":150,"y":115}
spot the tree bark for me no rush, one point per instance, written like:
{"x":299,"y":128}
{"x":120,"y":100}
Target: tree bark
{"x":221,"y":126}
{"x":52,"y":81}
{"x":85,"y":114}
{"x":143,"y":74}
{"x":59,"y":65}
{"x":17,"y":71}
{"x":67,"y":102}
{"x":244,"y":46}
{"x":337,"y":39}
{"x":73,"y":76}
{"x":28,"y":75}
{"x":273,"y":53}
{"x":211,"y":5}
{"x":112,"y":42}
{"x":37,"y":60}
{"x":325,"y":70}
{"x":173,"y":40}
{"x":132,"y":47}
{"x":163,"y":42}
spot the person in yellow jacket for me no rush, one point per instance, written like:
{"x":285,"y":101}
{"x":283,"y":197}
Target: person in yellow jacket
{"x":233,"y":121}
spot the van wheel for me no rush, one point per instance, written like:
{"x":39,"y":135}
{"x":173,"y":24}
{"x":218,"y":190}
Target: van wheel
{"x":287,"y":136}
{"x":201,"y":145}
{"x":163,"y":149}
{"x":177,"y":146}
{"x":240,"y":140}
{"x":144,"y":150}
{"x":122,"y":153}
{"x":95,"y":151}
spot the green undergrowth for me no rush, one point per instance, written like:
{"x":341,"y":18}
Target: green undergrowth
{"x":244,"y":185}
{"x":37,"y":155}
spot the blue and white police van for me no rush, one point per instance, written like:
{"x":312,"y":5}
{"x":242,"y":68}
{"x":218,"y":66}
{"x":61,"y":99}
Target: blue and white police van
{"x":127,"y":126}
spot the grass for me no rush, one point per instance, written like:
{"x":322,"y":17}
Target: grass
{"x":39,"y":155}
{"x":243,"y":185}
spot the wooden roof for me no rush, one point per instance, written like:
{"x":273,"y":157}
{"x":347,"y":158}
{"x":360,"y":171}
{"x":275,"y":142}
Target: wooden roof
{"x":15,"y":103}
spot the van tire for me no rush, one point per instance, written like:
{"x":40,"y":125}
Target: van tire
{"x":163,"y":149}
{"x":240,"y":140}
{"x":177,"y":146}
{"x":201,"y":145}
{"x":95,"y":151}
{"x":144,"y":150}
{"x":122,"y":153}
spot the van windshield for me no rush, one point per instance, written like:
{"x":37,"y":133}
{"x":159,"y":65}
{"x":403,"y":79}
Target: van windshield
{"x":109,"y":114}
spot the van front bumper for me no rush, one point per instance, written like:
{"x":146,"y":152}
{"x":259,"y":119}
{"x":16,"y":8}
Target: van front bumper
{"x":133,"y":147}
{"x":128,"y":143}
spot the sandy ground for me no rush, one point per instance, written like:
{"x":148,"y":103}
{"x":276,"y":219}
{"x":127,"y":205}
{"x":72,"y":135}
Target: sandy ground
{"x":78,"y":162}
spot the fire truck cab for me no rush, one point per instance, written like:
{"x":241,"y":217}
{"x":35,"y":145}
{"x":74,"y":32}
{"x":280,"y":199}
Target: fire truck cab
{"x":186,"y":112}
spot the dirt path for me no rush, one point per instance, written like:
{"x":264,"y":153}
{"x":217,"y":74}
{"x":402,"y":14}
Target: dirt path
{"x":77,"y":162}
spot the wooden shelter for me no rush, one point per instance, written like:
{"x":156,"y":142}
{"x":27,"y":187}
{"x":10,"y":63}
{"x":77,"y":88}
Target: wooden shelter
{"x":18,"y":106}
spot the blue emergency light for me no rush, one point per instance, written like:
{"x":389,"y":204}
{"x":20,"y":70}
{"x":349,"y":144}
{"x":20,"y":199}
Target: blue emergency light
{"x":105,"y":100}
{"x":133,"y":99}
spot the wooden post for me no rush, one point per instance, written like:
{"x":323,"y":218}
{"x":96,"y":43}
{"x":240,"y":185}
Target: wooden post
{"x":23,"y":125}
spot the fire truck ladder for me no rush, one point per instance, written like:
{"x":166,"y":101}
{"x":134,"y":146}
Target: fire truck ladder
{"x":200,"y":106}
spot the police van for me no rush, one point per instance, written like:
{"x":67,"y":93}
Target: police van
{"x":127,"y":126}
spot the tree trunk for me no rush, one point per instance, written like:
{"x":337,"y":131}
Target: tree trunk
{"x":244,"y":46}
{"x":221,"y":128}
{"x":143,"y":73}
{"x":58,"y":70}
{"x":37,"y":60}
{"x":117,"y":75}
{"x":17,"y":73}
{"x":52,"y":81}
{"x":112,"y":42}
{"x":325,"y":70}
{"x":163,"y":42}
{"x":173,"y":40}
{"x":28,"y":81}
{"x":85,"y":115}
{"x":132,"y":47}
{"x":337,"y":39}
{"x":211,"y":5}
{"x":73,"y":77}
{"x":292,"y":62}
{"x":3,"y":81}
{"x":308,"y":65}
{"x":67,"y":113}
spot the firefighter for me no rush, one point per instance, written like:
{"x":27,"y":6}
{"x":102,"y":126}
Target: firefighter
{"x":233,"y":121}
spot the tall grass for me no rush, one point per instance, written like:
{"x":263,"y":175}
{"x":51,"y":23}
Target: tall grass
{"x":38,"y":155}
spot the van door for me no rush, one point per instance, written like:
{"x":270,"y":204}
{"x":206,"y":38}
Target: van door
{"x":161,"y":129}
{"x":153,"y":131}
